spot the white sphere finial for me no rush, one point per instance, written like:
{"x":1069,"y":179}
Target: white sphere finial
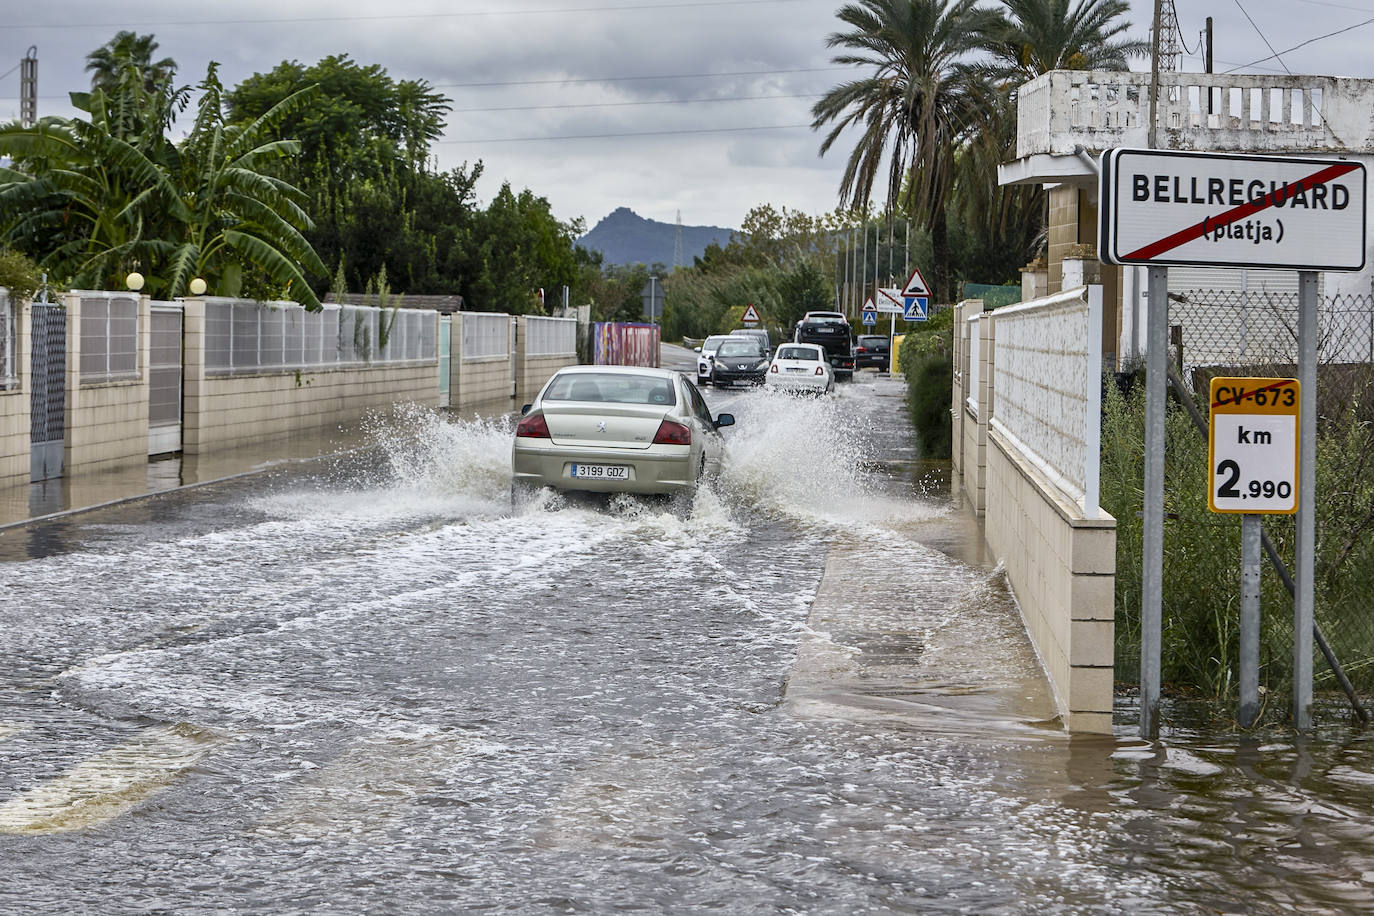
{"x":134,"y":281}
{"x":197,"y":286}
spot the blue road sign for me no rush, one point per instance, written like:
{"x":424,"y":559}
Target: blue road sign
{"x":870,"y":317}
{"x":916,"y":307}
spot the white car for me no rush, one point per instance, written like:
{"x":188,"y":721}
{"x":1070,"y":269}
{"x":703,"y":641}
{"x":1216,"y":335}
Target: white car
{"x":801,"y":367}
{"x":617,"y":429}
{"x":705,"y":353}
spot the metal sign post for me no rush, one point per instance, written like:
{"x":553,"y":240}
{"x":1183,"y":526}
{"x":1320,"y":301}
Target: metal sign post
{"x":1306,"y":540}
{"x":1152,"y":535}
{"x":1252,"y":456}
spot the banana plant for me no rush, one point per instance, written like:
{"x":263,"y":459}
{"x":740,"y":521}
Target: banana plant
{"x":93,"y":198}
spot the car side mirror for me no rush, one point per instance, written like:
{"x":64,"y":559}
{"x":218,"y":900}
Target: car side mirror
{"x":725,"y":419}
{"x":526,"y":409}
{"x":697,"y":349}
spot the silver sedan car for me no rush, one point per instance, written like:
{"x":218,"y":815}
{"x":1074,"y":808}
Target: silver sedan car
{"x":617,"y":429}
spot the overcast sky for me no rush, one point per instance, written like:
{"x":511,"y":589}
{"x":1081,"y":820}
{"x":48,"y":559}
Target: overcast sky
{"x":658,"y":105}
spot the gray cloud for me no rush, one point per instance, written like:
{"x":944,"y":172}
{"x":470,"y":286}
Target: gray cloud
{"x":552,"y":58}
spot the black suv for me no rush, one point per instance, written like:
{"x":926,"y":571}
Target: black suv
{"x":831,"y":330}
{"x":872,"y":350}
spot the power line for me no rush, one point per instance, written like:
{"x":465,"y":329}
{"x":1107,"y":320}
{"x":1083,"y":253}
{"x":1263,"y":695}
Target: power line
{"x":1349,"y":28}
{"x":640,"y":133}
{"x":635,"y":8}
{"x":624,"y":79}
{"x":742,"y":98}
{"x":604,"y":79}
{"x":1264,"y":39}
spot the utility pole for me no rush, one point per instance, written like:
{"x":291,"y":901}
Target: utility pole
{"x":28,"y":88}
{"x":1154,"y":76}
{"x":1207,"y":62}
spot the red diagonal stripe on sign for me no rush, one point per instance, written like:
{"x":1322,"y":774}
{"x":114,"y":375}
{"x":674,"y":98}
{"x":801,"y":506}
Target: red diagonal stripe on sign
{"x":1184,"y":236}
{"x":1281,"y":383}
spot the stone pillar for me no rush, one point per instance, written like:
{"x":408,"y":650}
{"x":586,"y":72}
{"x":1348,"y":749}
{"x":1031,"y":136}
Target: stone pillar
{"x":194,"y":392}
{"x":1035,"y":280}
{"x":1081,"y":267}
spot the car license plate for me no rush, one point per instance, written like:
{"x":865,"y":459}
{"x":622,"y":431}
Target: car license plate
{"x":601,"y":471}
{"x":795,"y":369}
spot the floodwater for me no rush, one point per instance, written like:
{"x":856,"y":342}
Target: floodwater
{"x":366,"y":685}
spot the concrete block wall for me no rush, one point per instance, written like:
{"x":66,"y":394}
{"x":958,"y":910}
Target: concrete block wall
{"x":475,"y":381}
{"x":975,"y":419}
{"x":956,"y":398}
{"x":224,"y":411}
{"x":107,"y":422}
{"x":14,"y":408}
{"x":1062,"y":570}
{"x":531,"y":372}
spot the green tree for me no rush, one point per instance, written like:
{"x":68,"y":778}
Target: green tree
{"x":365,"y":145}
{"x":912,"y":109}
{"x":519,"y":248}
{"x":996,"y":229}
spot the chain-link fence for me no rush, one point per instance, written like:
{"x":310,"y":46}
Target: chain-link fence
{"x":1254,"y":333}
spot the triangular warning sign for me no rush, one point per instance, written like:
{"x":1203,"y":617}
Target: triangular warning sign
{"x":751,"y":315}
{"x":915,"y":285}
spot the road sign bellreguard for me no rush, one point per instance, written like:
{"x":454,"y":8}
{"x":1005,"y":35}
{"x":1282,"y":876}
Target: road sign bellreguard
{"x":1169,"y":208}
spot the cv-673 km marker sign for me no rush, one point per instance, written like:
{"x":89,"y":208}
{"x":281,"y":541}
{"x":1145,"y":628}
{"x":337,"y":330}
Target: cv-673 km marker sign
{"x":1167,"y":208}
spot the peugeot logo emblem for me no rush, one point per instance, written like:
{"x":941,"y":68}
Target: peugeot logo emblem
{"x":601,"y":426}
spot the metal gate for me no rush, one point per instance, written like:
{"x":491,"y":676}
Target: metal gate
{"x":164,"y":379}
{"x":48,"y":381}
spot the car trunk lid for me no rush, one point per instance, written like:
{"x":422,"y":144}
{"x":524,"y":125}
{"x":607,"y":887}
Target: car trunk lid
{"x":601,"y":425}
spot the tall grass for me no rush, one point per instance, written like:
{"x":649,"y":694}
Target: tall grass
{"x":1202,"y":556}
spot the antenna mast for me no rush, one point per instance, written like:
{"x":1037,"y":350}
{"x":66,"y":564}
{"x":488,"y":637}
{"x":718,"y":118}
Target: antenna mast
{"x":28,"y":88}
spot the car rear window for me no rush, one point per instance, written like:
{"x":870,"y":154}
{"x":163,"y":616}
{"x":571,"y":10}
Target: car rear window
{"x":612,"y":388}
{"x":740,"y":347}
{"x":873,"y":343}
{"x":806,"y":353}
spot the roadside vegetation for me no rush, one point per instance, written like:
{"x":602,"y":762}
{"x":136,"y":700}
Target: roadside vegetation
{"x":1202,"y":552}
{"x":926,"y":360}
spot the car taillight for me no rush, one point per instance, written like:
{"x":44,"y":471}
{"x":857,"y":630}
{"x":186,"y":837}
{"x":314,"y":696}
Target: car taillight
{"x":532,"y":427}
{"x":860,"y":350}
{"x":820,"y":370}
{"x":670,"y":433}
{"x":773,"y":368}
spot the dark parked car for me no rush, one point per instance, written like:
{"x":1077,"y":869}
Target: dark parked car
{"x":739,"y":358}
{"x":829,"y":330}
{"x":872,"y":350}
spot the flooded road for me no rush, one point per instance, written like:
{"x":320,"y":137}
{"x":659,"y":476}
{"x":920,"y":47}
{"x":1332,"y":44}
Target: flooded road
{"x":366,"y":686}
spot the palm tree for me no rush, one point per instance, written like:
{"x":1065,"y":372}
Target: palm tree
{"x":106,"y":62}
{"x":913,"y":108}
{"x":1044,"y":35}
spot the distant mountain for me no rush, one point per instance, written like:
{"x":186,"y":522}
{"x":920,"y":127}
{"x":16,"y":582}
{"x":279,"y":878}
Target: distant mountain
{"x":625,"y":237}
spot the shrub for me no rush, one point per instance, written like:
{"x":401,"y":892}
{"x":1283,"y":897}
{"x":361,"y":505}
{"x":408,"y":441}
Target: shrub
{"x":926,"y":357}
{"x":19,"y":275}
